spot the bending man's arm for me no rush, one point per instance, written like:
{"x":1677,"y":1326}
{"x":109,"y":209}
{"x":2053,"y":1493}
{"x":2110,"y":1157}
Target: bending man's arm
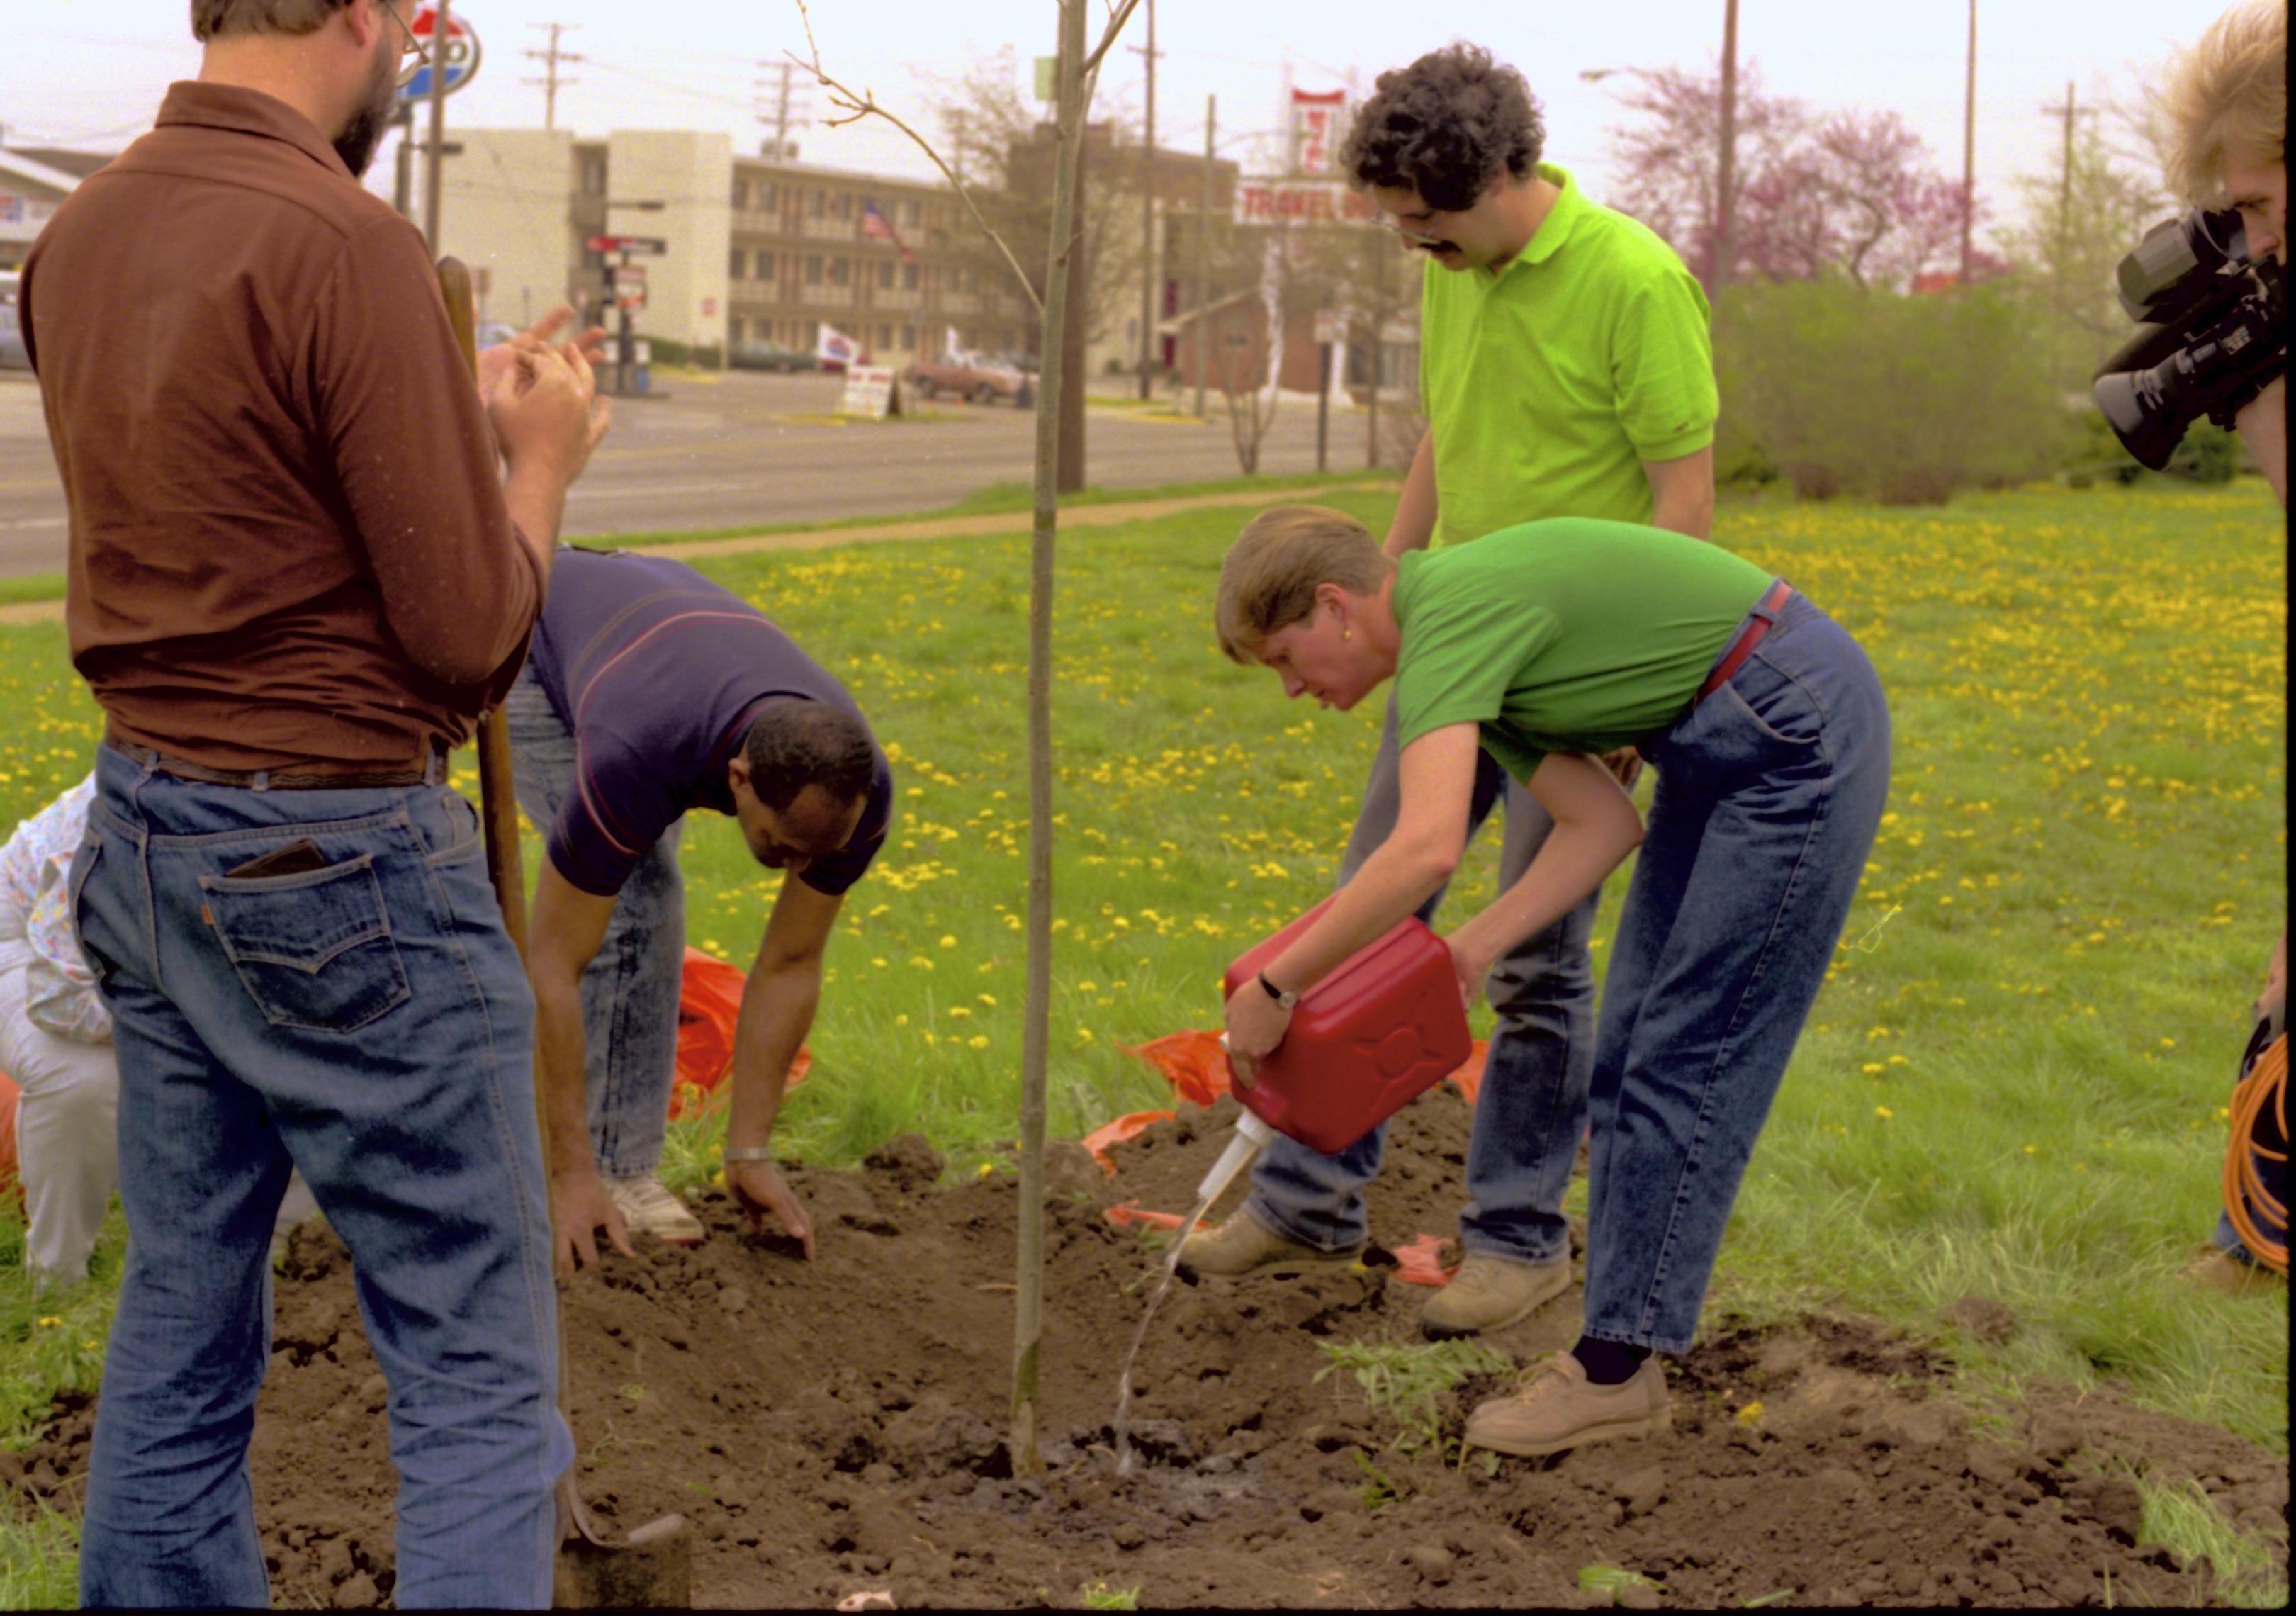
{"x":563,"y":935}
{"x":777,"y":1005}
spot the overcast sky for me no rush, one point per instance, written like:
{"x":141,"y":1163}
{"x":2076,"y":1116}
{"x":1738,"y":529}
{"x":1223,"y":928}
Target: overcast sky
{"x":88,"y":73}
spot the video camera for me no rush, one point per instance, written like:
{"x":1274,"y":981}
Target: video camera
{"x":2213,"y":334}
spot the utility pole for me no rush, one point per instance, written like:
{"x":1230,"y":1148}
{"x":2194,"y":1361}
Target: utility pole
{"x":1204,"y":258}
{"x":2071,"y":110}
{"x":550,"y":57}
{"x":435,"y":159}
{"x":402,"y":185}
{"x":1148,"y":265}
{"x":780,"y":116}
{"x":1378,"y":240}
{"x":1726,"y":200}
{"x":1969,"y":148}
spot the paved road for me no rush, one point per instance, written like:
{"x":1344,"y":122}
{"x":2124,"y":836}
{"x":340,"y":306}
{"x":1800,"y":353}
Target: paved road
{"x":723,"y":452}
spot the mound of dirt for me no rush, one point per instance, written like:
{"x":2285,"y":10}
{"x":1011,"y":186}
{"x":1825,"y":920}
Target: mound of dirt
{"x":840,"y":1426}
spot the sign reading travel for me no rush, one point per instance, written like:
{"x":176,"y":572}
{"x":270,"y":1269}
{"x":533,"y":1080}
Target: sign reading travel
{"x":460,"y":53}
{"x":1301,"y":201}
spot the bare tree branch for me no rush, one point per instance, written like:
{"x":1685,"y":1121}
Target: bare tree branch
{"x":857,"y":107}
{"x":1117,"y":19}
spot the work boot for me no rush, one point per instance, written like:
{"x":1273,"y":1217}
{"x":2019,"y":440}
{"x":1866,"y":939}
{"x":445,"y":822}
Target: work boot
{"x":1561,"y":1408}
{"x":1490,"y":1293}
{"x":648,"y":1208}
{"x":1243,"y":1245}
{"x":2220,"y":1270}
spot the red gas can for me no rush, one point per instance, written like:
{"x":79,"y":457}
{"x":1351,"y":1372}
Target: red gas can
{"x":1366,"y":1040}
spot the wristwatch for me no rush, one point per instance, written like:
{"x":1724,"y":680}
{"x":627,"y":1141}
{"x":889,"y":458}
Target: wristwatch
{"x":1284,"y":1000}
{"x":749,"y":1153}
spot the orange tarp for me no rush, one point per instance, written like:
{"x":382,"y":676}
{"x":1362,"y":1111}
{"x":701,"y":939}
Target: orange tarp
{"x":708,"y":1007}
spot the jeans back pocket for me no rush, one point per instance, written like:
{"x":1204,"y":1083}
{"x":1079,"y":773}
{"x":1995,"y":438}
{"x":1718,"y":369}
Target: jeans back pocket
{"x":313,"y":951}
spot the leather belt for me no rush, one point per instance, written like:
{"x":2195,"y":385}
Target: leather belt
{"x":1764,"y":613}
{"x":311,"y":775}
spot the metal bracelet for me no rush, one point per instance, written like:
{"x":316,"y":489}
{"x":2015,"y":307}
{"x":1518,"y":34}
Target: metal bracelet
{"x":749,"y":1153}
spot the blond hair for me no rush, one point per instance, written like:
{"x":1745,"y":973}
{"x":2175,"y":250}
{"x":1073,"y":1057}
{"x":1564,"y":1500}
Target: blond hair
{"x":2227,"y":96}
{"x":1279,"y":561}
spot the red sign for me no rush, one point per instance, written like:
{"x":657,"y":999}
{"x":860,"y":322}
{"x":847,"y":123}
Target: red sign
{"x":1316,"y":128}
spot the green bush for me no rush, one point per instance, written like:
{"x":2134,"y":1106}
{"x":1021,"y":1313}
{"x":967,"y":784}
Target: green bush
{"x":1847,"y":388}
{"x":2210,"y":454}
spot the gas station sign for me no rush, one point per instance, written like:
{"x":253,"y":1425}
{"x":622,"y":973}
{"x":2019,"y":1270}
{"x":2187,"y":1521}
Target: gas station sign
{"x":460,"y":53}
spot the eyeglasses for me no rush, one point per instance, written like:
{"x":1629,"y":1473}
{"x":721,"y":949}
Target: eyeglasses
{"x":414,"y":46}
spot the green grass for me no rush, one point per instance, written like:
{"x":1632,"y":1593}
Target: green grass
{"x":1406,"y":1381}
{"x":2043,"y":984}
{"x":1101,"y":1596}
{"x":2178,"y":1514}
{"x":39,"y":1562}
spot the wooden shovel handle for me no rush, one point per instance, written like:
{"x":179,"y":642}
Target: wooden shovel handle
{"x":497,"y":801}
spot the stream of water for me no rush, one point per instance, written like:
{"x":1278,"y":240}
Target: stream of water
{"x":1164,"y":1289}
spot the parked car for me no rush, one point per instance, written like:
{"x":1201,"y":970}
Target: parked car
{"x":981,"y":381}
{"x":766,"y":355}
{"x":12,"y":356}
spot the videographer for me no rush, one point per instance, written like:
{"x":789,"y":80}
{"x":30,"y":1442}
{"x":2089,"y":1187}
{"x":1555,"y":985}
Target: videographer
{"x":2225,"y":109}
{"x":2225,"y":106}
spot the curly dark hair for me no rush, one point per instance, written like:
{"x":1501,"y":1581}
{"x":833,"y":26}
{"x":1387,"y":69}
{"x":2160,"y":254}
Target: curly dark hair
{"x":1445,"y":126}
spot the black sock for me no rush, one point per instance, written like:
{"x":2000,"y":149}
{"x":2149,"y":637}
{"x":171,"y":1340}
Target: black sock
{"x":1609,"y":1363}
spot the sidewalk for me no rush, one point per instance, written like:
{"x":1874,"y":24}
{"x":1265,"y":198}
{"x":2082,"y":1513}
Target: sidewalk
{"x":1114,"y":514}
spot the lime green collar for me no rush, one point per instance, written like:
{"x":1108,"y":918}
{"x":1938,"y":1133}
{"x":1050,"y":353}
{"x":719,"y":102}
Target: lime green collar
{"x":1555,"y":228}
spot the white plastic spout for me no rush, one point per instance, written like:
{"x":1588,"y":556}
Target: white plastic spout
{"x":1252,"y":1136}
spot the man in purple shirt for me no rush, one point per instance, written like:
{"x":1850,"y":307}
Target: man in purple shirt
{"x":652,"y":690}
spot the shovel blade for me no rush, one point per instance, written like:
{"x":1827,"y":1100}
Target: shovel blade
{"x":652,"y":1569}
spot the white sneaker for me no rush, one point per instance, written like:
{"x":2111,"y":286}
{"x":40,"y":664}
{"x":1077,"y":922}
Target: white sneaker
{"x":649,"y":1209}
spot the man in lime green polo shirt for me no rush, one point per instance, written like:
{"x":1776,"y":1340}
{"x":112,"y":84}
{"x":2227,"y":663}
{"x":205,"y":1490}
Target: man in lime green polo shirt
{"x":1566,"y":371}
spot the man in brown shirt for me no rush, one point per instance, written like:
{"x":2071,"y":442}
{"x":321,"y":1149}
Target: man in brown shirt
{"x":297,"y":578}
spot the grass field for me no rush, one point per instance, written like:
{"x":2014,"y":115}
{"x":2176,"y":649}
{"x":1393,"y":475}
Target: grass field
{"x":2013,"y":1087}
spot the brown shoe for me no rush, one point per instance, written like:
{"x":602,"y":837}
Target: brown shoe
{"x":1490,"y":1294}
{"x":1243,"y":1245}
{"x":1561,"y":1408}
{"x":2220,"y":1270}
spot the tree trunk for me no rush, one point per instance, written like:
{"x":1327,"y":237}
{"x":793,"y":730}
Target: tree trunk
{"x":1070,"y":467}
{"x":1056,"y":379}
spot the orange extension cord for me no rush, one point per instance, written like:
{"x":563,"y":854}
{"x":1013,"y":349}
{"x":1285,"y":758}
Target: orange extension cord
{"x":2244,"y":1194}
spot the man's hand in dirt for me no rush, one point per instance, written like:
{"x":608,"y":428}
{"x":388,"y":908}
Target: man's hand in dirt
{"x":763,"y":1193}
{"x":496,"y":361}
{"x":1625,"y":766}
{"x":580,"y":1207}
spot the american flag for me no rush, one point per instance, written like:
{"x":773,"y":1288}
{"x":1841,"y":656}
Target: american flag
{"x":874,"y":223}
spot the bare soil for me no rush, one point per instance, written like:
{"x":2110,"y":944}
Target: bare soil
{"x":839,"y":1426}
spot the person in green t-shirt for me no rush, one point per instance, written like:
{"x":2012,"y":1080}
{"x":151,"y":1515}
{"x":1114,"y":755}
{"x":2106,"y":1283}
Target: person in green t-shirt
{"x":1566,"y":371}
{"x":1545,"y":645}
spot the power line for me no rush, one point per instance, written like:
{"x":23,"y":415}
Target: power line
{"x":550,"y":57}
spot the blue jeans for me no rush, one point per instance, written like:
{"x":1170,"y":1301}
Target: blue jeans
{"x":630,"y":989}
{"x":1769,"y":792}
{"x":1532,"y":1106}
{"x":369,"y":1023}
